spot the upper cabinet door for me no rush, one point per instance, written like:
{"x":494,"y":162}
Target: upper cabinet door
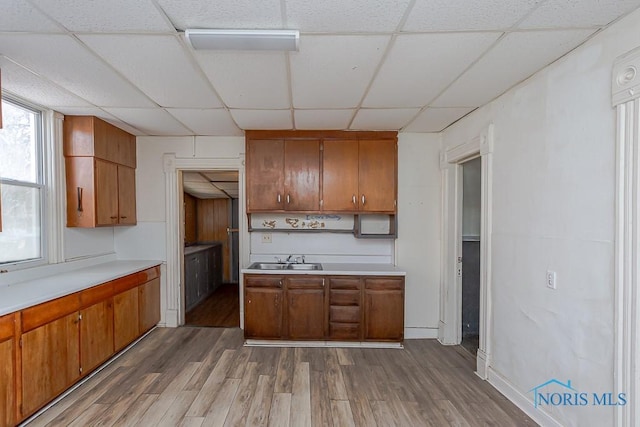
{"x":302,"y":175}
{"x":126,"y":195}
{"x":265,"y":175}
{"x":106,"y":192}
{"x":377,"y":175}
{"x":340,"y":175}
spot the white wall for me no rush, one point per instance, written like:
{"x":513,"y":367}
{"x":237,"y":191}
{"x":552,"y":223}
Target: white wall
{"x":553,"y":209}
{"x":418,"y":243}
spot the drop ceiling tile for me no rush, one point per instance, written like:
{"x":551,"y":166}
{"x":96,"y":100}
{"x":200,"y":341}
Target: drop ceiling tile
{"x":25,"y":84}
{"x":67,"y":63}
{"x":419,"y":67}
{"x":251,"y":80}
{"x":226,"y":186}
{"x":457,"y":15}
{"x":151,"y":121}
{"x":513,"y":59}
{"x":334,"y":71}
{"x":106,"y":16}
{"x":223,"y":13}
{"x":383,"y":119}
{"x":345,"y":15}
{"x":262,"y":119}
{"x":436,"y":119}
{"x":18,"y":15}
{"x":206,"y":122}
{"x":323,"y":119}
{"x":158,"y":65}
{"x":578,"y":13}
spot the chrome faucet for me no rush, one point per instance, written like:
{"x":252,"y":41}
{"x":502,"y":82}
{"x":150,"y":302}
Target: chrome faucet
{"x":296,"y":260}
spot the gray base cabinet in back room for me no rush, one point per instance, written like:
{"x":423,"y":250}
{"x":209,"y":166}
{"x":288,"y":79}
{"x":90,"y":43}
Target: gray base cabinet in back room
{"x":202,"y":272}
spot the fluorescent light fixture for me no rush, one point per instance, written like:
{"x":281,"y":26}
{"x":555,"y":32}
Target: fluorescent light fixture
{"x":243,"y":39}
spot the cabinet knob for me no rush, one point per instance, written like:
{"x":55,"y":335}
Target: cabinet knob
{"x":288,"y":199}
{"x":353,"y":199}
{"x":279,"y":198}
{"x":363,"y":199}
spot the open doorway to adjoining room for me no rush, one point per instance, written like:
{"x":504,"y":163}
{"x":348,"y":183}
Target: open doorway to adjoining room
{"x":211,"y":248}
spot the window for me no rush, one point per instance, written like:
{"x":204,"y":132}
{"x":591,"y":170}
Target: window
{"x":21,"y":184}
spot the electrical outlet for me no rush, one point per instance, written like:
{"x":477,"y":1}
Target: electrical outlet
{"x":551,"y":279}
{"x":266,"y":237}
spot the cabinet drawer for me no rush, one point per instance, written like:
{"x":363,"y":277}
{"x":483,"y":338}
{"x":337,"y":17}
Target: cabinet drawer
{"x":125,"y":283}
{"x":96,"y":294}
{"x":7,"y":326}
{"x":305,"y":283}
{"x":385,"y":283}
{"x":344,"y":331}
{"x":263,"y":281}
{"x":344,"y":297}
{"x":49,"y":311}
{"x":344,"y":314}
{"x":149,"y":274}
{"x":345,"y":283}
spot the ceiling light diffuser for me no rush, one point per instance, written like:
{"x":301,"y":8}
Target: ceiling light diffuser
{"x":243,"y":39}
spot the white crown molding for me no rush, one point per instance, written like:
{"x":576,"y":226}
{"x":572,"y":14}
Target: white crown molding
{"x":625,"y":79}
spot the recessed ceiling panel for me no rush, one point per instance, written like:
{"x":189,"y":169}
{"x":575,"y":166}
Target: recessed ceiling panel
{"x":457,"y":15}
{"x":345,"y":15}
{"x":250,"y":80}
{"x":262,"y":119}
{"x":334,"y":71}
{"x":420,"y":66}
{"x":436,"y":119}
{"x":323,"y":119}
{"x":383,"y":119}
{"x":194,"y":177}
{"x":223,"y":13}
{"x":206,"y":122}
{"x":151,"y":121}
{"x":27,"y":85}
{"x":18,"y":15}
{"x":513,"y":59}
{"x":67,"y":63}
{"x":159,"y":65}
{"x":581,"y":13}
{"x":106,"y":16}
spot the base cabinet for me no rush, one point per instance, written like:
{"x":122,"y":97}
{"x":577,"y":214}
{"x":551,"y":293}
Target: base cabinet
{"x":67,"y":338}
{"x":50,"y":361}
{"x":7,"y":371}
{"x":314,"y":307}
{"x":263,"y":301}
{"x":305,"y":308}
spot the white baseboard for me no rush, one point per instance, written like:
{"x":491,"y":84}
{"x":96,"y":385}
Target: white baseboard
{"x":523,"y":402}
{"x":171,"y":318}
{"x":482,"y":364}
{"x":420,"y":333}
{"x":327,"y":344}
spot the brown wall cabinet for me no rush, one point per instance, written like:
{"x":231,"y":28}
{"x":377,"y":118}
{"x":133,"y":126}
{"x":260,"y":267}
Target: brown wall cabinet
{"x":67,"y":338}
{"x":100,"y":162}
{"x":321,"y":171}
{"x":283,"y":175}
{"x":314,"y":307}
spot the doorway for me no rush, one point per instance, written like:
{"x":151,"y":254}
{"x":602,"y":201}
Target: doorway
{"x":471,"y":223}
{"x":211,"y":248}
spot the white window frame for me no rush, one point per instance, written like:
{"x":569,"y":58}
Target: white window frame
{"x":51,"y":181}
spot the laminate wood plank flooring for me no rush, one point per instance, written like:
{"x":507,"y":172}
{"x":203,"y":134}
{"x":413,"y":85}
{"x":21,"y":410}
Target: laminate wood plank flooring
{"x":193,"y":376}
{"x":220,"y":309}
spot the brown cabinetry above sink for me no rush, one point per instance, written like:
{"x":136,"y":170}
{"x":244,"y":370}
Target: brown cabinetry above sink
{"x":318,"y":307}
{"x":321,"y":171}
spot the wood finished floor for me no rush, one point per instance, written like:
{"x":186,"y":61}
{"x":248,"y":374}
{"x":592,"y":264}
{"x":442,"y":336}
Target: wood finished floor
{"x":205,"y":377}
{"x":221,"y":309}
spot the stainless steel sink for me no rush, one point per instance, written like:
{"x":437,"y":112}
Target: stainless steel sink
{"x":284,"y":266}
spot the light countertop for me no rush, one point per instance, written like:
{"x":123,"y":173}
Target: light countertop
{"x":335,"y":269}
{"x":25,"y":294}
